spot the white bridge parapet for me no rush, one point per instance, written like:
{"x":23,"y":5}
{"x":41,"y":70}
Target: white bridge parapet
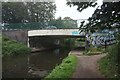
{"x":57,"y":32}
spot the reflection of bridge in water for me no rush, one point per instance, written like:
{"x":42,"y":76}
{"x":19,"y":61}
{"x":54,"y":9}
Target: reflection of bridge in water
{"x":57,"y":33}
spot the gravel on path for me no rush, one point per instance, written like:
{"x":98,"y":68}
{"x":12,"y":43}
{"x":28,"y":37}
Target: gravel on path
{"x":87,"y":66}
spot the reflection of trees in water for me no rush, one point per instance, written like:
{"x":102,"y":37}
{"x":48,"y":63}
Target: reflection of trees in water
{"x":35,"y":71}
{"x":41,"y":63}
{"x":57,"y":51}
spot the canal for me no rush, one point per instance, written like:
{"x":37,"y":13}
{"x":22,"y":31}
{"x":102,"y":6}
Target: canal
{"x":33,"y":65}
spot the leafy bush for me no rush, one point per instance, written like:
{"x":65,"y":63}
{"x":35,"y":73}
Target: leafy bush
{"x":65,"y":69}
{"x":11,"y":47}
{"x":109,"y":69}
{"x":113,"y":53}
{"x":110,"y":64}
{"x":106,"y":68}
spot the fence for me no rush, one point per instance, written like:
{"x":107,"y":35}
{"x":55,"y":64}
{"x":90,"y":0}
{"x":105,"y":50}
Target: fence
{"x":42,"y":25}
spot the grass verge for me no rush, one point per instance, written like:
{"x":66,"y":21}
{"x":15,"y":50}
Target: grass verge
{"x":65,"y":69}
{"x":108,"y":69}
{"x":109,"y":64}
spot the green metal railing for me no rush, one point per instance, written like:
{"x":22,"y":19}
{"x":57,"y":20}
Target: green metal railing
{"x":41,"y":25}
{"x":24,"y":26}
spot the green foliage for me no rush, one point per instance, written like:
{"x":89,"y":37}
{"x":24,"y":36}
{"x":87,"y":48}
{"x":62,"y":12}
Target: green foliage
{"x":81,"y":39}
{"x":42,"y":25}
{"x":16,"y":12}
{"x":82,"y":5}
{"x":109,"y":69}
{"x":70,"y":42}
{"x":67,"y":22}
{"x":105,"y":16}
{"x":13,"y":12}
{"x":110,"y":64}
{"x":80,"y":42}
{"x":94,"y":51}
{"x":10,"y":47}
{"x":113,"y":53}
{"x":65,"y":69}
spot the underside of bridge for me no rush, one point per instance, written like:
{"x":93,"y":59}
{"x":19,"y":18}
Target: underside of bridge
{"x":50,"y":41}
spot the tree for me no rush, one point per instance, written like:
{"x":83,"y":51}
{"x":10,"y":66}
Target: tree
{"x":17,"y":12}
{"x":14,"y":12}
{"x":57,"y":23}
{"x":66,"y":22}
{"x":81,"y":5}
{"x":67,"y":18}
{"x":41,"y":11}
{"x":106,"y":16}
{"x":69,"y":23}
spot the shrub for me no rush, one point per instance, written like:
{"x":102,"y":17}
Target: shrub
{"x":110,"y":64}
{"x":11,"y":47}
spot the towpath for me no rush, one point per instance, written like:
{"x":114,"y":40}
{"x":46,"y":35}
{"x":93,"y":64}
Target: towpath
{"x":87,"y":66}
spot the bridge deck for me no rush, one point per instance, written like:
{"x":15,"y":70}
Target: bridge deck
{"x":56,"y":32}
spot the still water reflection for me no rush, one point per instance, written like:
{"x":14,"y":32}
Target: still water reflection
{"x":34,"y":65}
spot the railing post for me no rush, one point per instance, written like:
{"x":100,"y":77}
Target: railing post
{"x":28,"y":44}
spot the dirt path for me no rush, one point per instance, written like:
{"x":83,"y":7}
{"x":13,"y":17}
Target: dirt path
{"x":87,"y":66}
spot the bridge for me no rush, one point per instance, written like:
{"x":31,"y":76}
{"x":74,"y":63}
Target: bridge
{"x":55,"y":33}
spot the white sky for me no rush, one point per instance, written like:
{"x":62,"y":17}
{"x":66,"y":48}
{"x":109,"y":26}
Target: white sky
{"x":63,"y":10}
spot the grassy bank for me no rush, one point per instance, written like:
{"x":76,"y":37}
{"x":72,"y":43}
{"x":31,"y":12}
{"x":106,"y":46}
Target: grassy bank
{"x":65,"y":69}
{"x":108,"y":69}
{"x":11,"y":47}
{"x":109,"y":64}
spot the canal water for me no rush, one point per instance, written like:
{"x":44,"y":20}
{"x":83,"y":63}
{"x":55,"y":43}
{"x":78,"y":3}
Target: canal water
{"x":33,"y":65}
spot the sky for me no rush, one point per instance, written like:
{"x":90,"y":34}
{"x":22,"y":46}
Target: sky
{"x":62,"y":10}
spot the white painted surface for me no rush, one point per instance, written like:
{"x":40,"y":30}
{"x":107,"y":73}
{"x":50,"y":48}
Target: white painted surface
{"x":57,"y":32}
{"x":28,"y":44}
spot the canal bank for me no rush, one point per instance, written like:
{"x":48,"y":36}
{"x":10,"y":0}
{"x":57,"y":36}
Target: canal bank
{"x":38,"y":65}
{"x":68,"y":65}
{"x":35,"y":65}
